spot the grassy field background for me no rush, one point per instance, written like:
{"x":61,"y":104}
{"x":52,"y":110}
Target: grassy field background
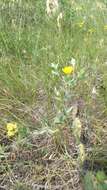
{"x":33,"y":52}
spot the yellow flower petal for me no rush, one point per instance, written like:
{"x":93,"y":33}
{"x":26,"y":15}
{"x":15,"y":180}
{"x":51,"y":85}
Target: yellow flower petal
{"x":68,"y":70}
{"x":11,"y":126}
{"x":10,"y":133}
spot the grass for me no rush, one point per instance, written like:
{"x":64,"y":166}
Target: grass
{"x":31,"y":47}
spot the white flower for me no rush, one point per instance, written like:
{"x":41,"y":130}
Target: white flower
{"x":54,"y":66}
{"x":72,"y":61}
{"x":56,"y":92}
{"x":51,"y":7}
{"x":94,"y":91}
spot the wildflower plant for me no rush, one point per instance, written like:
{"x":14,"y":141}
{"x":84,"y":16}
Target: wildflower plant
{"x":65,"y":79}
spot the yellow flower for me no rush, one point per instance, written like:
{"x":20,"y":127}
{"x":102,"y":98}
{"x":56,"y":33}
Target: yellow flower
{"x":81,"y":24}
{"x":68,"y":70}
{"x":12,"y":129}
{"x":105,"y":27}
